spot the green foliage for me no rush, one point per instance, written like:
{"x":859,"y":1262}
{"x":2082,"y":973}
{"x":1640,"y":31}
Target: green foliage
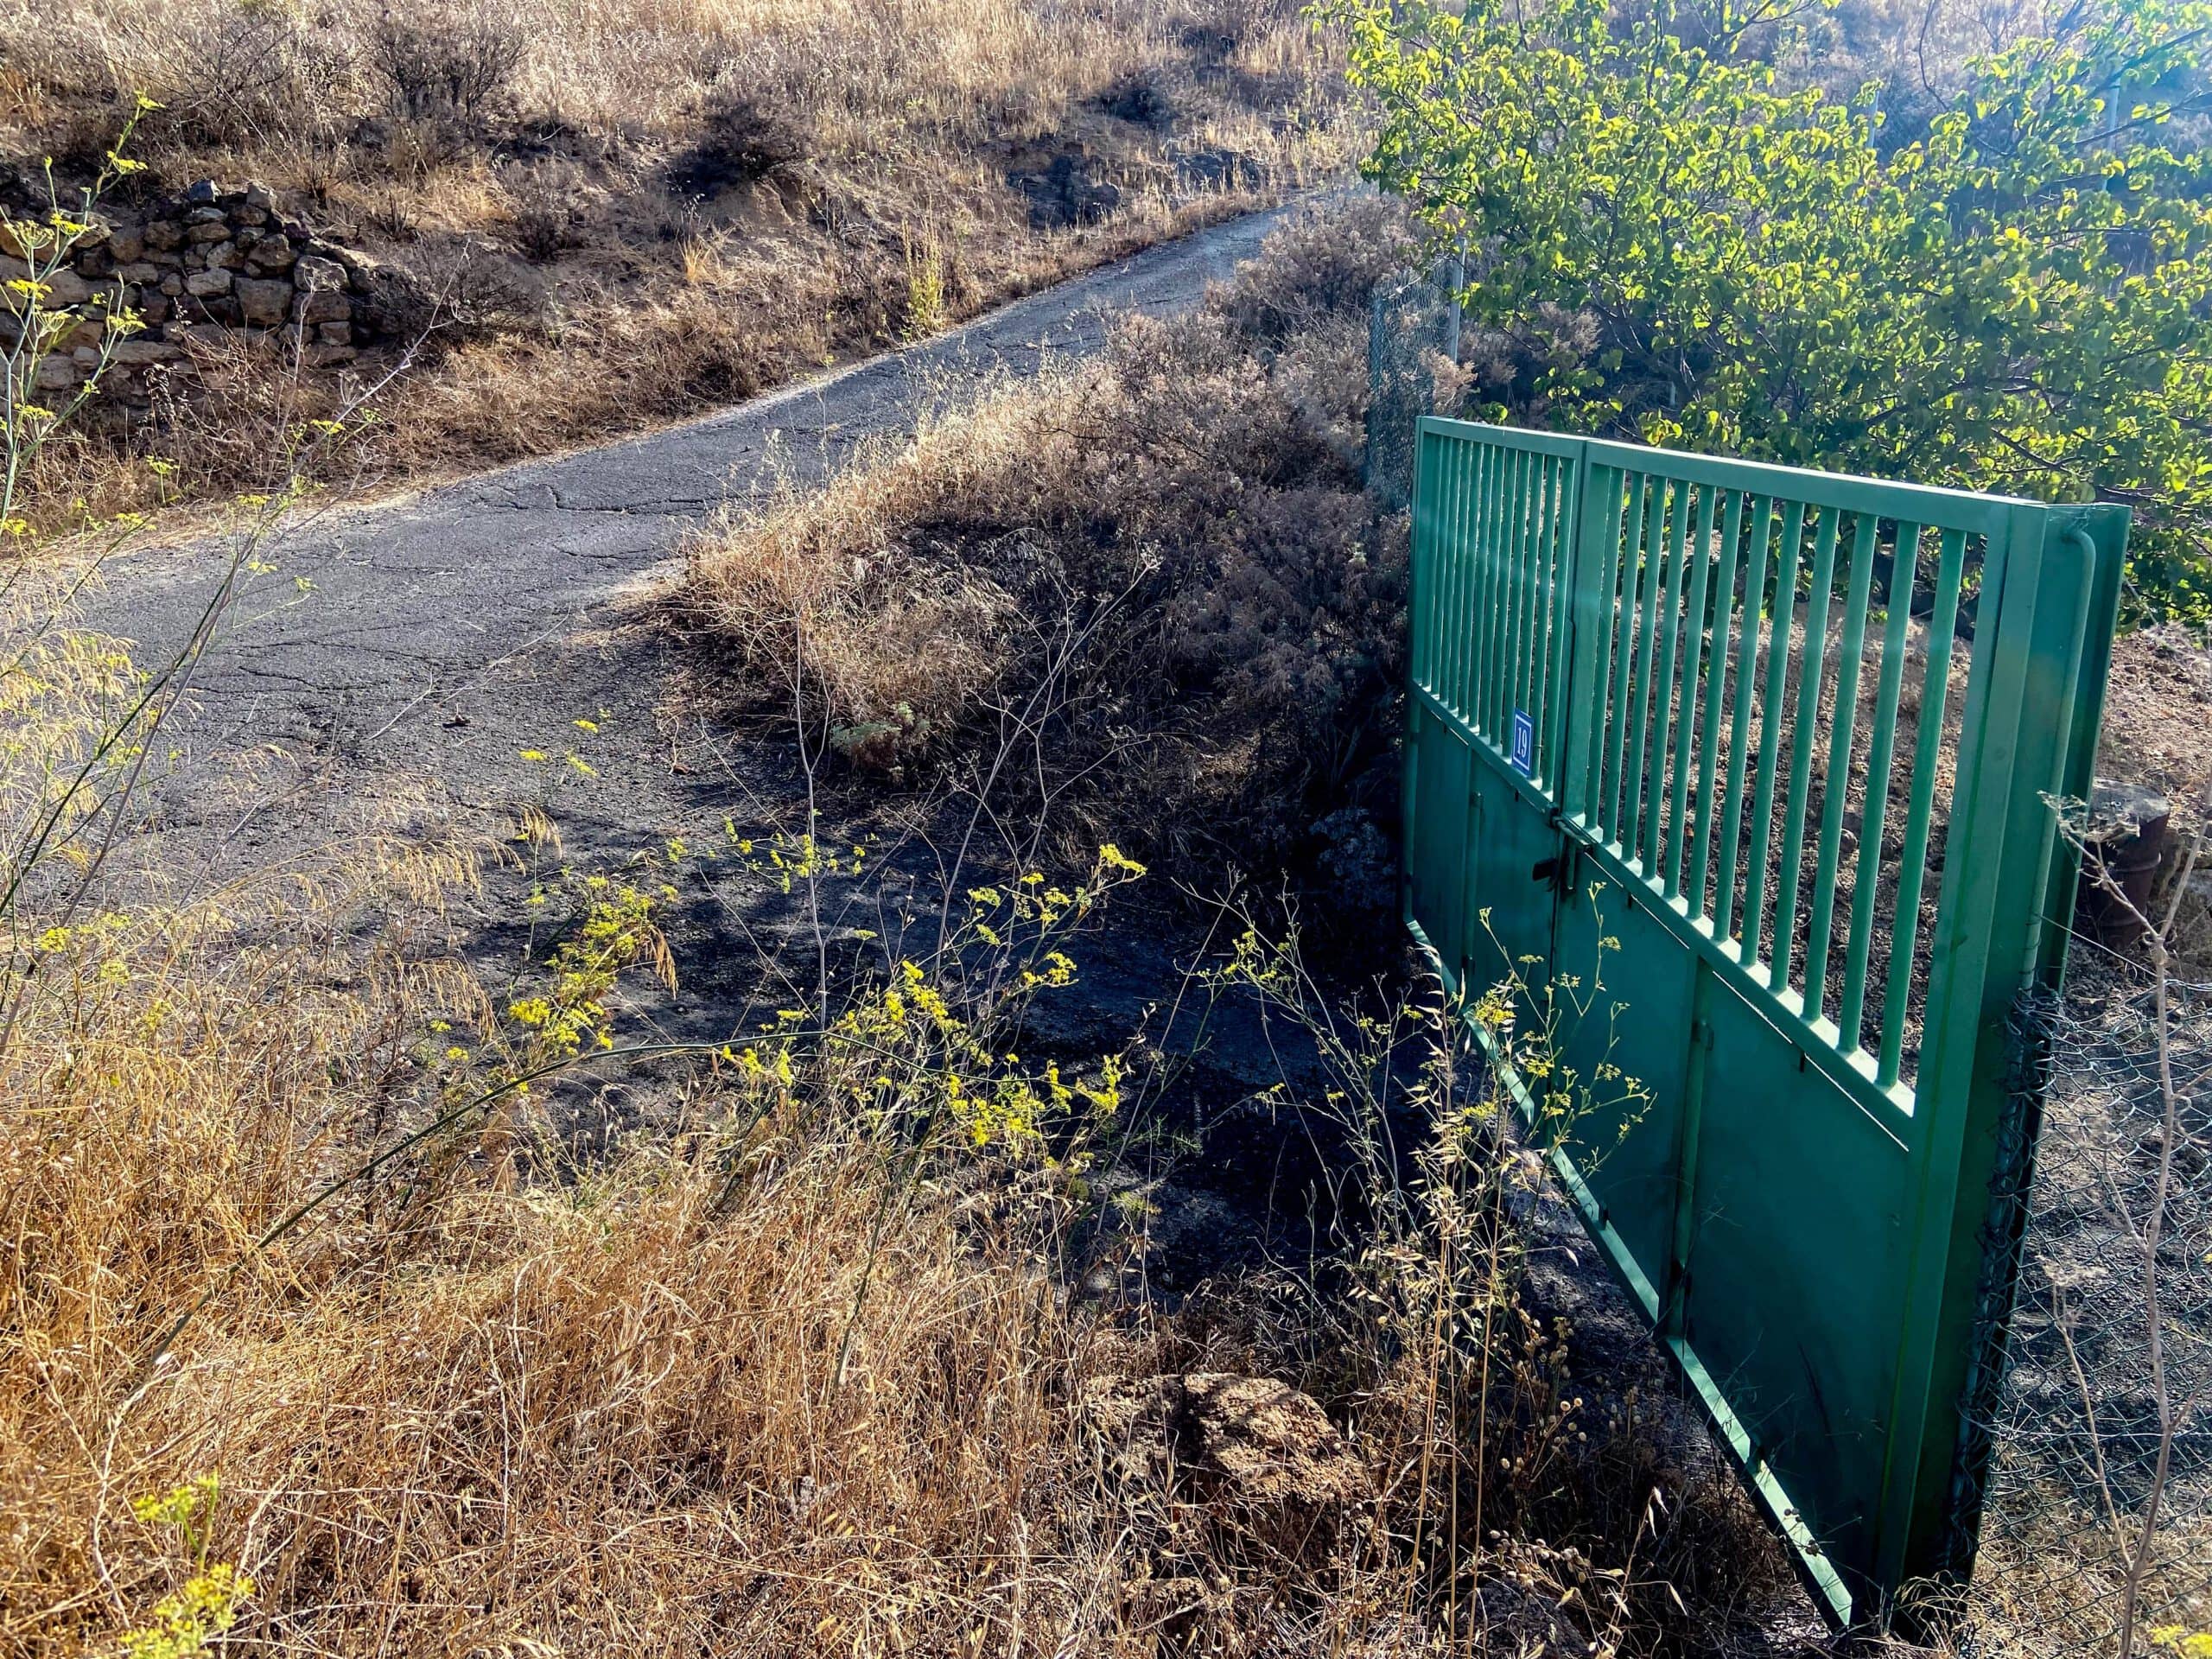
{"x":1663,"y":244}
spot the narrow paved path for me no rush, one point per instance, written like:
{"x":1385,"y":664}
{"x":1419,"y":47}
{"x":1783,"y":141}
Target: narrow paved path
{"x":435,"y":640}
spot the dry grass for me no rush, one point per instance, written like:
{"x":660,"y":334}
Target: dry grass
{"x":1159,"y":569}
{"x":775,"y":1383}
{"x":802,"y":1373}
{"x":627,"y":210}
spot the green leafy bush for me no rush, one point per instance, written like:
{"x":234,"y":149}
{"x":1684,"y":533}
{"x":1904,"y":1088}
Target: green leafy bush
{"x":1663,"y":245}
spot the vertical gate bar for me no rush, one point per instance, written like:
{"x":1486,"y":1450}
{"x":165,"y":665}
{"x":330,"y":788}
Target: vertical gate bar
{"x":1508,"y":593}
{"x":1455,"y":592}
{"x":1490,"y":513}
{"x":1624,"y":633}
{"x":1444,"y":496}
{"x":1530,"y":656}
{"x":1723,"y":608}
{"x":2032,"y":593}
{"x":1495,"y":490}
{"x":1838,"y":785}
{"x":1597,"y":557}
{"x":1867,"y":866}
{"x":1514,"y":503}
{"x":1541,"y":649}
{"x":1442,"y":481}
{"x":1417,"y":608}
{"x":1524,"y":608}
{"x":2076,"y":542}
{"x":1928,"y":738}
{"x":1638,"y":713}
{"x":1784,"y":616}
{"x":1665,"y":691}
{"x":1576,"y":480}
{"x":1693,"y":661}
{"x":1512,"y":659}
{"x":1465,"y":571}
{"x":1739,"y":735}
{"x":2107,"y":529}
{"x":1818,"y":602}
{"x":1420,"y":606}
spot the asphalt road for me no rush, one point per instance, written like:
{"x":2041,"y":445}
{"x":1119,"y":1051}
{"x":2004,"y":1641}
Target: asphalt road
{"x":412,"y":652}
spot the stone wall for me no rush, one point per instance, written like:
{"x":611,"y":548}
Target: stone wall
{"x":213,"y":267}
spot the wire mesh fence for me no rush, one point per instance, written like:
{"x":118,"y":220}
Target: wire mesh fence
{"x":2076,"y":1431}
{"x":1413,"y":328}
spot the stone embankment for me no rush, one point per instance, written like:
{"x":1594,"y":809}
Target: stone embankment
{"x":216,"y":271}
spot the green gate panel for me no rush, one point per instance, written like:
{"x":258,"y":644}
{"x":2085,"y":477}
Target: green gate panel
{"x":1745,"y":771}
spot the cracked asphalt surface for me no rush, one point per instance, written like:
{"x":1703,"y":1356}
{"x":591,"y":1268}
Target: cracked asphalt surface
{"x":406,"y":656}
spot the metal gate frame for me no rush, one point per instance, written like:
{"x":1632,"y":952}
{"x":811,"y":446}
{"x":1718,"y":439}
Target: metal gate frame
{"x":1822,"y":1245}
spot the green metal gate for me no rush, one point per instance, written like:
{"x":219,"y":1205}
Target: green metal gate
{"x":1636,"y":675}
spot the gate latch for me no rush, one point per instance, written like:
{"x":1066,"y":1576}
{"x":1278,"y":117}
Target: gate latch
{"x":1555,"y":869}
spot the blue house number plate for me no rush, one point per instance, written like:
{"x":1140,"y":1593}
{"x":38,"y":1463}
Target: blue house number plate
{"x":1524,"y":743}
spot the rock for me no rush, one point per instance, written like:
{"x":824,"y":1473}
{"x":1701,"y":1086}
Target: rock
{"x":266,"y":303}
{"x":133,"y":353}
{"x":56,"y":374}
{"x":205,"y":216}
{"x":313,"y":271}
{"x":199,"y":191}
{"x":321,"y":306}
{"x":172,"y":284}
{"x":335,"y":334}
{"x":225,"y":256}
{"x":206,"y":284}
{"x":126,"y":243}
{"x":326,"y":357}
{"x":257,"y":194}
{"x":217,"y":230}
{"x":164,"y":236}
{"x":139,"y":271}
{"x":66,"y":287}
{"x":1257,"y":1449}
{"x":248,"y":215}
{"x":272,"y":255}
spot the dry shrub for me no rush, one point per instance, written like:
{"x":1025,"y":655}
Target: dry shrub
{"x":1204,"y":608}
{"x":456,"y":69}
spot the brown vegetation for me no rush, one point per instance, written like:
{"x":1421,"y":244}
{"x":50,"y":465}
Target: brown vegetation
{"x":632,"y":210}
{"x":1160,"y":568}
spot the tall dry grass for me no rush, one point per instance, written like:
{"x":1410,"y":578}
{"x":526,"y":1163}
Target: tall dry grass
{"x":618,"y":213}
{"x":1163,"y":562}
